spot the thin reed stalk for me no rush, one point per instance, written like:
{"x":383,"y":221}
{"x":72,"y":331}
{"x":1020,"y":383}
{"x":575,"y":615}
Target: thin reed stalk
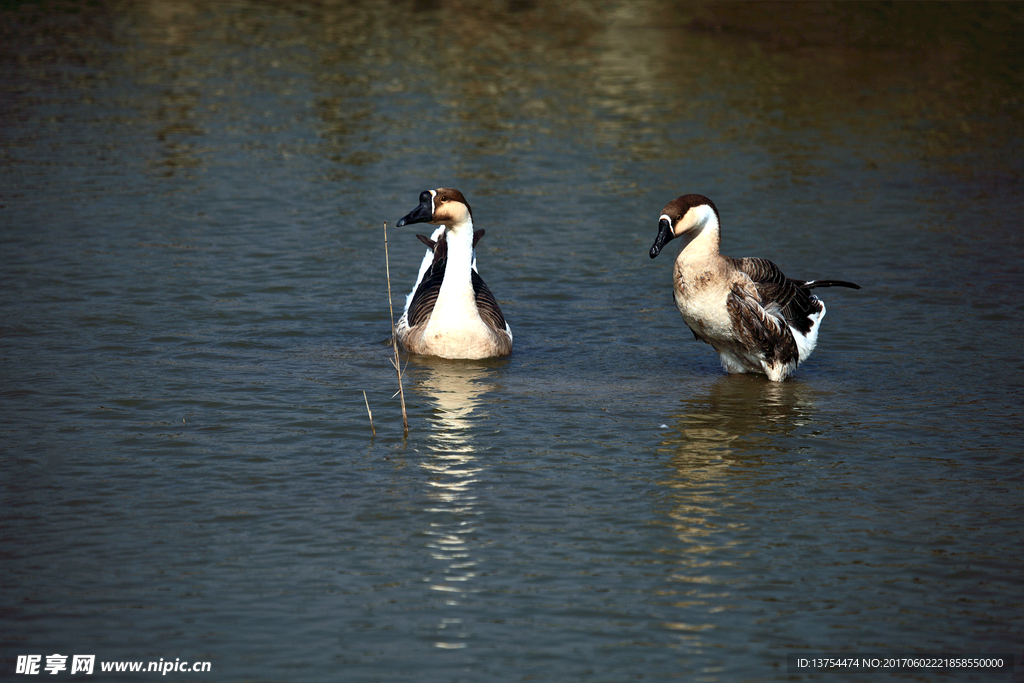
{"x":369,"y":413}
{"x":396,"y":361}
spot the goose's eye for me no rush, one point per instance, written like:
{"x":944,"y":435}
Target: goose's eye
{"x":444,"y":198}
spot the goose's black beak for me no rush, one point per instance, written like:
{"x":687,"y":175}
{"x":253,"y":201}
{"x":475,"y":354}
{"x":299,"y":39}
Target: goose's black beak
{"x":664,"y":235}
{"x":422,"y":213}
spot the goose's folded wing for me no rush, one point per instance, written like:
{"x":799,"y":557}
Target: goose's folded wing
{"x":423,"y":299}
{"x":486,"y":304}
{"x":787,"y":299}
{"x":755,"y":327}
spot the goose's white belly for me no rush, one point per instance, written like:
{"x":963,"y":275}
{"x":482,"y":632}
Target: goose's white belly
{"x":456,"y":330}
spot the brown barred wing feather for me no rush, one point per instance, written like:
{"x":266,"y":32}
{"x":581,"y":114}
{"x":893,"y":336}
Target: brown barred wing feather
{"x":758,"y":329}
{"x":789,"y":299}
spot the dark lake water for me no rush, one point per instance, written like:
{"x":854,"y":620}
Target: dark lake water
{"x":193,"y":302}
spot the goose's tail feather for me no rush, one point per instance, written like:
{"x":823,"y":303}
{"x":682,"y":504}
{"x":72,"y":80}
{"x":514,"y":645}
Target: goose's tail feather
{"x":811,"y":284}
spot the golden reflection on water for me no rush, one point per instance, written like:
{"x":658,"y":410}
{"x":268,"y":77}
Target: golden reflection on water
{"x":181,"y":93}
{"x":452,"y":466}
{"x":648,"y":77}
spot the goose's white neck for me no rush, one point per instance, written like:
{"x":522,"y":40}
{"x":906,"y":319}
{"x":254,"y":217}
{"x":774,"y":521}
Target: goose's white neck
{"x":460,"y":251}
{"x":702,"y":239}
{"x":456,"y":297}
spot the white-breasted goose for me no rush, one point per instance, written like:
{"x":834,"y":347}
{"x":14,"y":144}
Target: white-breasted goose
{"x":450,"y":312}
{"x":756,"y":318}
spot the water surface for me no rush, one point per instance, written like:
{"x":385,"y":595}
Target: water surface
{"x":194,"y":302}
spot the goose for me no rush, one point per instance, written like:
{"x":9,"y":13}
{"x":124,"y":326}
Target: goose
{"x":450,"y":312}
{"x":756,"y":318}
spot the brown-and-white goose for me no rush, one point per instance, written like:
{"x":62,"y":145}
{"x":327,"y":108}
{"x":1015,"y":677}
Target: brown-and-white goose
{"x":756,"y":318}
{"x":450,"y":312}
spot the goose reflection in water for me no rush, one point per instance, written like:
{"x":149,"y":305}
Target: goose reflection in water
{"x":728,"y":432}
{"x":455,"y":387}
{"x":734,"y":422}
{"x":717,"y":443}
